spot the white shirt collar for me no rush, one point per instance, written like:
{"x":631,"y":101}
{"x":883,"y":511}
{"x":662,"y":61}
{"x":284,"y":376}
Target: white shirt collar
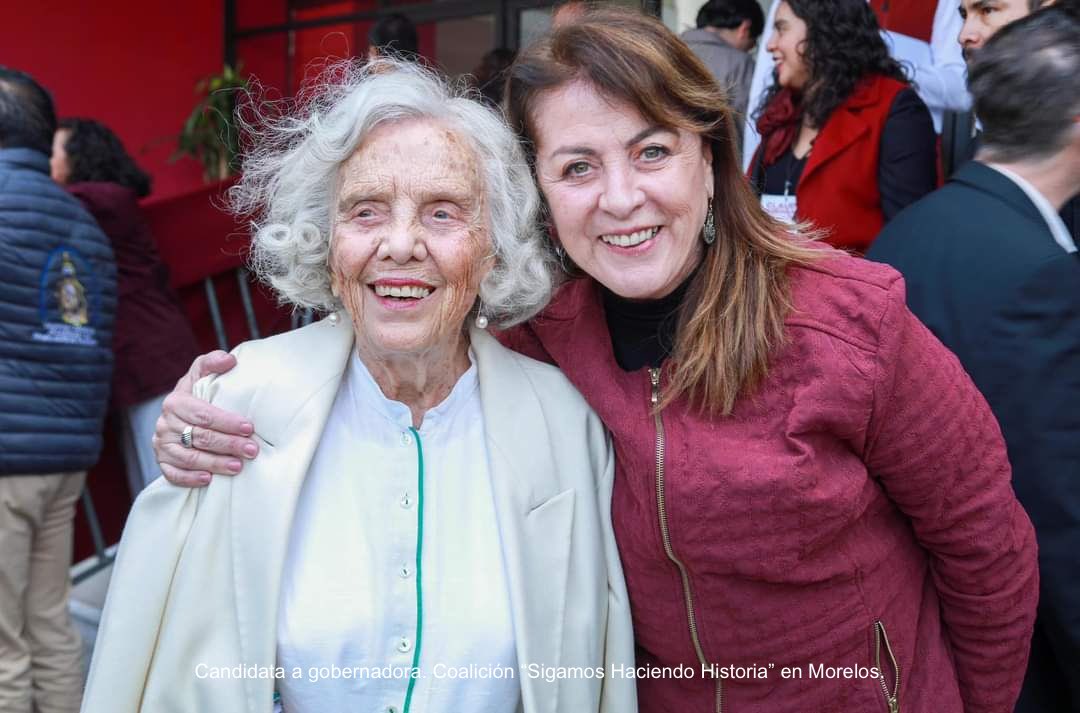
{"x":366,"y":391}
{"x":1053,"y":221}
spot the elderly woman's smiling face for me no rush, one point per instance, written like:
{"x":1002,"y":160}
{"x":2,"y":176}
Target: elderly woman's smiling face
{"x":410,"y":243}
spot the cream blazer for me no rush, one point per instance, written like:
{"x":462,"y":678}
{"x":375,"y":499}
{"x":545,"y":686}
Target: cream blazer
{"x":199,"y":571}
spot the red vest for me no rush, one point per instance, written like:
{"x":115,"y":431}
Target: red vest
{"x":838,"y":189}
{"x":914,"y":18}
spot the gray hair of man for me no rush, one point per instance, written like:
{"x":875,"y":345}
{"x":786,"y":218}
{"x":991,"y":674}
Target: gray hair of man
{"x":1025,"y":86}
{"x":291,"y":172}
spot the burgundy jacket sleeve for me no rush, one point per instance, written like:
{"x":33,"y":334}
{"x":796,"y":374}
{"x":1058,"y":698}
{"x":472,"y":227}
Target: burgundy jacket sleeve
{"x":939,"y":454}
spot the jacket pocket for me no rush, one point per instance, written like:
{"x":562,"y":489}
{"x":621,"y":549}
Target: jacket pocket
{"x":888,"y":668}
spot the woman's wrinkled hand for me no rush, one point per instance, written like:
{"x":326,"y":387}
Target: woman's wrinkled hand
{"x":219,"y":442}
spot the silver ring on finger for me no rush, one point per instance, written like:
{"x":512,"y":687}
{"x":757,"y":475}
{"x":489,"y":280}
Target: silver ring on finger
{"x":186,"y":436}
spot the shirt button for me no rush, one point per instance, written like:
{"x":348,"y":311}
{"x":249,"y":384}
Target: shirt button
{"x":406,"y":501}
{"x":404,"y":645}
{"x":390,"y":709}
{"x":405,"y":571}
{"x":406,"y":438}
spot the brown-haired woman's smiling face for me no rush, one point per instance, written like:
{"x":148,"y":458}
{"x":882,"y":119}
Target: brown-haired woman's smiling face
{"x":628,"y":198}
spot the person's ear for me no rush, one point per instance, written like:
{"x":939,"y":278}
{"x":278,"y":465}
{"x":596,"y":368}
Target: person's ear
{"x":744,"y":31}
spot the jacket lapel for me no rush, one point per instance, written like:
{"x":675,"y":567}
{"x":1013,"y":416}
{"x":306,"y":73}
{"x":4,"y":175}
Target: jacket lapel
{"x":535,"y":519}
{"x":289,"y":413}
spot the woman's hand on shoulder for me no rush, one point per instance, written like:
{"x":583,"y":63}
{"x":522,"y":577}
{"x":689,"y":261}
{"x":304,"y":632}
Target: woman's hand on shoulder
{"x":219,"y":438}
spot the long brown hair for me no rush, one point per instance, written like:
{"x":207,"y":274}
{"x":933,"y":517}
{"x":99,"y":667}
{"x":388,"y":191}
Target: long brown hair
{"x":733,"y":315}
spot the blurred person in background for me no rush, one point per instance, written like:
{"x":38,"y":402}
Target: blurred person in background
{"x":490,"y":75}
{"x":57,"y":301}
{"x":847,"y":142}
{"x":982,"y":20}
{"x":920,"y":34}
{"x":152,"y":342}
{"x":726,"y":32}
{"x":994,"y":273}
{"x":803,"y":473}
{"x":393,"y":35}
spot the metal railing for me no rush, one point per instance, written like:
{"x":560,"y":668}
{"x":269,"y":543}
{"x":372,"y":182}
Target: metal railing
{"x":103,"y":559}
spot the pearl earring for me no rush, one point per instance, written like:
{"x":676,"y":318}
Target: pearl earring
{"x":333,"y":318}
{"x":481,"y":318}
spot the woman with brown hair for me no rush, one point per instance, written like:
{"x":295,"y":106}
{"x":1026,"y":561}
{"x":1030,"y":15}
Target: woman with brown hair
{"x":805,"y":478}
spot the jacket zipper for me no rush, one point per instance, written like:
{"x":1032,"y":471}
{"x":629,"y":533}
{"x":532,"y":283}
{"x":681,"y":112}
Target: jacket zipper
{"x":661,"y":508}
{"x":893,"y":699}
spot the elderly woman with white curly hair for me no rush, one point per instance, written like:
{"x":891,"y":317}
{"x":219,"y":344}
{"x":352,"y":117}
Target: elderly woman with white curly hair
{"x":426,"y":527}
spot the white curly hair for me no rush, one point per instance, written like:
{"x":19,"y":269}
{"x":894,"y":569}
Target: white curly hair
{"x":291,"y":173}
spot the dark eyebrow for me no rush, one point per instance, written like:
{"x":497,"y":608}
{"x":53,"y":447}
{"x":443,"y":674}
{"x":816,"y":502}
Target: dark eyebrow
{"x":646,"y":133}
{"x":574,"y":150}
{"x":636,"y":138}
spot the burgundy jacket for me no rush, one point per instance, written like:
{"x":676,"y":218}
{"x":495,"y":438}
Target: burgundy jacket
{"x":858,"y":503}
{"x":153,"y":342}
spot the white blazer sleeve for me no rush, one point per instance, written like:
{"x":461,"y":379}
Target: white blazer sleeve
{"x":142,"y":576}
{"x":616,"y":696}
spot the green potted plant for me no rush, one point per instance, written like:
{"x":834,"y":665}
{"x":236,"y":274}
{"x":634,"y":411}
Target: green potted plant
{"x":210,"y":134}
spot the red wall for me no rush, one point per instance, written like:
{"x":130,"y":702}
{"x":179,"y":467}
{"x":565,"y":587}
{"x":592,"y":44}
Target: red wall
{"x":131,"y":64}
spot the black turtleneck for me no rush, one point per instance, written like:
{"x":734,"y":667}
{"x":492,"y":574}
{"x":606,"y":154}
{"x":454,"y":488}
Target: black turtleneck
{"x":643,"y":331}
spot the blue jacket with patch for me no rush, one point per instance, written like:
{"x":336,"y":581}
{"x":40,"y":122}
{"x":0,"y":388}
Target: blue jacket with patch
{"x":57,"y":301}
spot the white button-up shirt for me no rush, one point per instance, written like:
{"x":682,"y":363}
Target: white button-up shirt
{"x":395,"y":562}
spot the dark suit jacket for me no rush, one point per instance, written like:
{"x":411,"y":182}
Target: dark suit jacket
{"x":985,"y":275}
{"x":958,"y":150}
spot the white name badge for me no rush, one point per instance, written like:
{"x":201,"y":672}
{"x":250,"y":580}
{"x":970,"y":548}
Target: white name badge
{"x":781,"y":208}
